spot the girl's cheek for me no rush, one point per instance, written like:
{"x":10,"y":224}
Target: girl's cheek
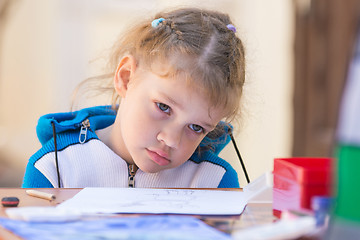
{"x":193,"y":137}
{"x":155,"y":113}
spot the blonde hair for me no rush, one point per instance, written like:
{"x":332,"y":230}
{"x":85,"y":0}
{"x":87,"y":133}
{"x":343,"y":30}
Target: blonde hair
{"x":197,"y":45}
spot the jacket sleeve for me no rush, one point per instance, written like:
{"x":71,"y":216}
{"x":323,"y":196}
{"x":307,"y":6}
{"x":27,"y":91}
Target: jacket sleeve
{"x":33,"y":178}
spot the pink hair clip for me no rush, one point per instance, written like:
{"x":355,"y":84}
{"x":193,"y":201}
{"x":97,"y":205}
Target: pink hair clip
{"x":231,"y":27}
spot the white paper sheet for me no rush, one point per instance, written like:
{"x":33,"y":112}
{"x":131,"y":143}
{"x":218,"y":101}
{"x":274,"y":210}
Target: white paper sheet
{"x":144,"y":200}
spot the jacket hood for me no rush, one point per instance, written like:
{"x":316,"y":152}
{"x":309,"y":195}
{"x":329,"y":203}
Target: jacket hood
{"x":99,"y":117}
{"x":103,"y":116}
{"x":217,"y":139}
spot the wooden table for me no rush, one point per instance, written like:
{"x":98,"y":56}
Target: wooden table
{"x":254,"y":213}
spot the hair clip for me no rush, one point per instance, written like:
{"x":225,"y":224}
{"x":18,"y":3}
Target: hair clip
{"x":231,"y":27}
{"x":156,"y":22}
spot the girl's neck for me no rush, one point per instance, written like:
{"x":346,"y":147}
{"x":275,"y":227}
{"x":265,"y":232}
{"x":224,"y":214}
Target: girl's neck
{"x":108,"y":137}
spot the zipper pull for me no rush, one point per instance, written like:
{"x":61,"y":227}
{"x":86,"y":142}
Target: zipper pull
{"x":132,"y":171}
{"x":85,"y":125}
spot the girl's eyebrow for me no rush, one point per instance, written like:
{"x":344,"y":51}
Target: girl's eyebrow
{"x":208,"y":125}
{"x":172,"y":101}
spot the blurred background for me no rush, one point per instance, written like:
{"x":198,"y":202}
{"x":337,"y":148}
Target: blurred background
{"x":297,"y":54}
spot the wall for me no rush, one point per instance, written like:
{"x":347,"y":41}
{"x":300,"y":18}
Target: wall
{"x":49,"y":46}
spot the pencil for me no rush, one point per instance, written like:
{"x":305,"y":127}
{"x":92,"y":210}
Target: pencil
{"x":39,"y":194}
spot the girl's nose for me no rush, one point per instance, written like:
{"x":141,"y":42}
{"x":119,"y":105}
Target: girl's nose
{"x":170,"y":135}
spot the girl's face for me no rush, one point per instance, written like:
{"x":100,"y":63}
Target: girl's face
{"x":160,"y":121}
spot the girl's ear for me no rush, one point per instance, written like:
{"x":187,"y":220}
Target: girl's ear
{"x":123,"y":74}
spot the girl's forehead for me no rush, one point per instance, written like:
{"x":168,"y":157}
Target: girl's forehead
{"x":176,"y":79}
{"x":182,"y":78}
{"x":177,"y":70}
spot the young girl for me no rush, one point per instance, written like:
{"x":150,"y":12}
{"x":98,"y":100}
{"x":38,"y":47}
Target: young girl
{"x":178,"y":76}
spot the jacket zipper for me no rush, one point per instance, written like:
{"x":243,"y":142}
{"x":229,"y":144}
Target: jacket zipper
{"x":132,"y":171}
{"x":85,"y":125}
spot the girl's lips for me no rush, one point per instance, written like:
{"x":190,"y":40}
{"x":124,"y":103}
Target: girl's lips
{"x":157,"y":158}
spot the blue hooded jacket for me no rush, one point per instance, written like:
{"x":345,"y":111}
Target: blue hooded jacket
{"x":71,"y":128}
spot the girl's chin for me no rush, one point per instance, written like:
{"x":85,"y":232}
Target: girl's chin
{"x":150,"y":167}
{"x":150,"y":170}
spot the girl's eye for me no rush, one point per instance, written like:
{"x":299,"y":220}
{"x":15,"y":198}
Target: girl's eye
{"x":163,"y":107}
{"x":196,"y":128}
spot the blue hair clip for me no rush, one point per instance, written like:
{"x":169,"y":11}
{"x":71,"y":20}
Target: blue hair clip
{"x":156,"y":22}
{"x":231,"y":27}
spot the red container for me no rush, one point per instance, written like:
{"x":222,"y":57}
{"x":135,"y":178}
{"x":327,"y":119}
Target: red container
{"x":297,"y":180}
